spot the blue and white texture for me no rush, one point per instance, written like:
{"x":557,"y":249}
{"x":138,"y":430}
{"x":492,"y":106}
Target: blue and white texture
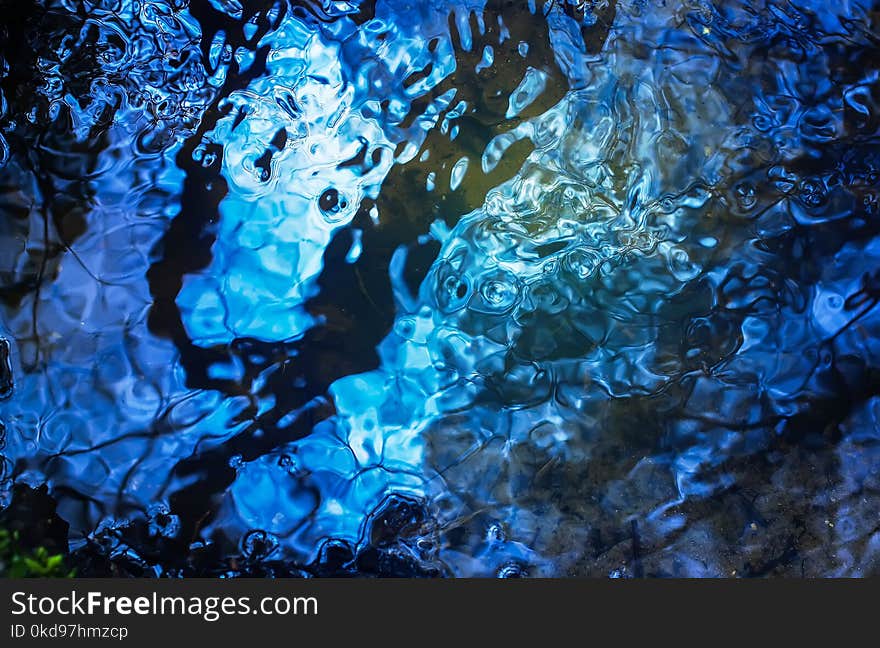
{"x":656,"y":330}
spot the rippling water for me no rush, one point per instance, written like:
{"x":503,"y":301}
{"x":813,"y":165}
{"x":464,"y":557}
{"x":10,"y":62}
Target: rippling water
{"x":444,"y":287}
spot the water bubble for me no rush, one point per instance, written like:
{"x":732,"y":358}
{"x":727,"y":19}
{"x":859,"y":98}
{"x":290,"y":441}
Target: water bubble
{"x":680,"y":264}
{"x":453,"y":291}
{"x":332,"y":204}
{"x":329,"y":201}
{"x":498,"y":293}
{"x":257,"y":545}
{"x":288,"y":464}
{"x":667,"y":205}
{"x":746,"y":196}
{"x":512,"y":570}
{"x":763,"y":123}
{"x":496,"y":534}
{"x":813,"y":193}
{"x":405,"y":328}
{"x":582,"y":263}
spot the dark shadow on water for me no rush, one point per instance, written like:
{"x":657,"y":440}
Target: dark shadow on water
{"x":355,"y":304}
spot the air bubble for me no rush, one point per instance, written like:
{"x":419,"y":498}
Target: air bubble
{"x":453,"y":291}
{"x":746,"y":196}
{"x":495,"y":534}
{"x":813,"y":193}
{"x":332,"y":204}
{"x":288,"y":464}
{"x":582,"y":263}
{"x":258,"y":545}
{"x":513,"y":570}
{"x":498,"y":293}
{"x":680,"y":264}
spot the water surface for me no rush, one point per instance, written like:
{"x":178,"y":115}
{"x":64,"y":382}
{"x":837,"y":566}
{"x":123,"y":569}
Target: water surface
{"x":454,"y":288}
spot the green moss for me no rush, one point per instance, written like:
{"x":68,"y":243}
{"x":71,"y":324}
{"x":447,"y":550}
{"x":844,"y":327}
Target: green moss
{"x":16,"y":562}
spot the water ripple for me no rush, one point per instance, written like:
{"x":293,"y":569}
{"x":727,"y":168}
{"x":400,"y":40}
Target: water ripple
{"x":447,"y":288}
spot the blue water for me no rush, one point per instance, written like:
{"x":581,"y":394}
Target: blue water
{"x":452,"y":288}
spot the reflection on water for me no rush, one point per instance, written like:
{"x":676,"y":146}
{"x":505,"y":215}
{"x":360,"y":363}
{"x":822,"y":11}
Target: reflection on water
{"x":444,"y":288}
